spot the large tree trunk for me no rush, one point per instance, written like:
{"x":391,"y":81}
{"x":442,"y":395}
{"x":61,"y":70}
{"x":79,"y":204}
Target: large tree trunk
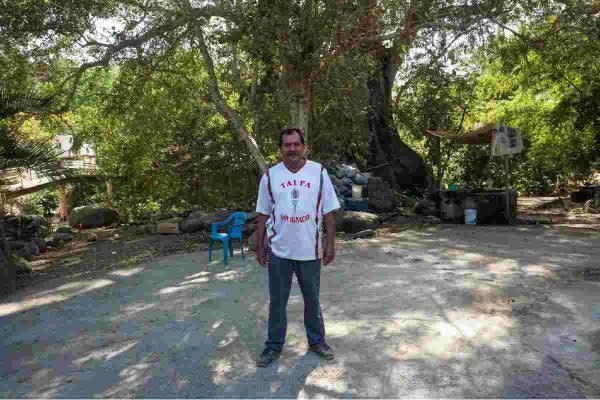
{"x":406,"y":168}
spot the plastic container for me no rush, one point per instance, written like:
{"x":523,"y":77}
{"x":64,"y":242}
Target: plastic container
{"x":470,"y":216}
{"x":357,"y":191}
{"x":470,"y":207}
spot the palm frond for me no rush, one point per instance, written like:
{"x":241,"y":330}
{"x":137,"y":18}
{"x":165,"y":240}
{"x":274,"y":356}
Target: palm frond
{"x":12,"y":103}
{"x":39,"y":156}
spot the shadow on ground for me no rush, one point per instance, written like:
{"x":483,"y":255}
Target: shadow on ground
{"x":452,"y":311}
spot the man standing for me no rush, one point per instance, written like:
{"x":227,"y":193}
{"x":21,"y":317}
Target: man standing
{"x":294,"y":198}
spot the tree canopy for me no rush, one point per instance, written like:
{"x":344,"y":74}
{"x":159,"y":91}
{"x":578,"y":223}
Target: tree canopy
{"x":183,"y":99}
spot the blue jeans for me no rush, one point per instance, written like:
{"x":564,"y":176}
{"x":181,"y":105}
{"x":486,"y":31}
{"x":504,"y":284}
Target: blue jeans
{"x":308,"y":274}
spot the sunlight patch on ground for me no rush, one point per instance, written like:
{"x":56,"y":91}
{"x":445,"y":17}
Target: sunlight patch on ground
{"x":61,"y":293}
{"x":107,"y":353}
{"x":502,"y":267}
{"x":133,"y":378}
{"x":541,"y":270}
{"x":330,"y":378}
{"x":127,"y":272}
{"x":175,"y":289}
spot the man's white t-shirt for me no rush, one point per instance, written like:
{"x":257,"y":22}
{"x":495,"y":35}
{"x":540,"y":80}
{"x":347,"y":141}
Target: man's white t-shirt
{"x":295,"y":210}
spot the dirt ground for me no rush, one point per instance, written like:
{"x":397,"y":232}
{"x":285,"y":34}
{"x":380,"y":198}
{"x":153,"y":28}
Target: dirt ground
{"x":430,"y":311}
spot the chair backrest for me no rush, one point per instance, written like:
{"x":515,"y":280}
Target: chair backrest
{"x":238,"y":219}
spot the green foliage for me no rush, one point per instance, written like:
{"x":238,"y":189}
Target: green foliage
{"x":43,"y":203}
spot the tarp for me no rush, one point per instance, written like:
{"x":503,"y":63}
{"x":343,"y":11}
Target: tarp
{"x":481,"y":135}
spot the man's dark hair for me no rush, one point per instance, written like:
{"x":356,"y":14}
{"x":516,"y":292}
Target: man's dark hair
{"x":289,"y":131}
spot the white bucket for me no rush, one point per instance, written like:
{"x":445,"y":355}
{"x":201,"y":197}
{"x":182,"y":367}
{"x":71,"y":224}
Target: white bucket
{"x":470,"y":216}
{"x":357,"y":191}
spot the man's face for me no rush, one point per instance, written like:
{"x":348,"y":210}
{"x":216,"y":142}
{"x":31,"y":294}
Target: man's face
{"x":292,"y":148}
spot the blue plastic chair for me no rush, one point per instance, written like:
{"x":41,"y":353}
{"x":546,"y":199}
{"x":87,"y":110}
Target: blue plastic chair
{"x":235,"y":230}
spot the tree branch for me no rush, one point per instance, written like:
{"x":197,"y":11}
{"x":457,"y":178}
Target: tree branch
{"x":230,"y":114}
{"x":113,"y":50}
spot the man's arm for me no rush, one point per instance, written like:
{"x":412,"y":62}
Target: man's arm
{"x":329,"y":250}
{"x":261,"y":252}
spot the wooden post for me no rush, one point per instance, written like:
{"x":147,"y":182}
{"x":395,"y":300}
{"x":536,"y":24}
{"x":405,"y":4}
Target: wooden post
{"x":507,"y":188}
{"x":63,"y":211}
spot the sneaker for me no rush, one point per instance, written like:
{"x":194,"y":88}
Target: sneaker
{"x":323,"y":350}
{"x":267,"y":357}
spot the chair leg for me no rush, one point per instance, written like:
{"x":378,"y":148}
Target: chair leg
{"x":242,"y":246}
{"x":231,"y":248}
{"x":209,"y":250}
{"x":225,"y":250}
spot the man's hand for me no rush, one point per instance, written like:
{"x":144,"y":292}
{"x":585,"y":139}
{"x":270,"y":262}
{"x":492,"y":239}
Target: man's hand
{"x":261,"y":256}
{"x":328,"y":253}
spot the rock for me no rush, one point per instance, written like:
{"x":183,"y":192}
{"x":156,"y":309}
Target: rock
{"x":92,"y":238}
{"x":40,"y":244}
{"x":356,"y":221}
{"x":197,"y":214}
{"x":252,"y":241}
{"x":35,"y":251}
{"x":22,"y":266}
{"x":63,"y":237}
{"x":92,"y":217}
{"x":381,"y":205}
{"x":364,"y":234}
{"x":64,"y":229}
{"x":430,"y":219}
{"x":190,"y":225}
{"x":168,"y":228}
{"x":215,"y":216}
{"x":24,"y":252}
{"x":24,"y":227}
{"x":16,"y":244}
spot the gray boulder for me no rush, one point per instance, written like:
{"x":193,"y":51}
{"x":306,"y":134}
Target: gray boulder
{"x":16,"y":244}
{"x":92,"y":217}
{"x":62,"y":237}
{"x":24,"y":252}
{"x":190,"y":225}
{"x":40,"y":244}
{"x":64,"y":229}
{"x":356,"y":221}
